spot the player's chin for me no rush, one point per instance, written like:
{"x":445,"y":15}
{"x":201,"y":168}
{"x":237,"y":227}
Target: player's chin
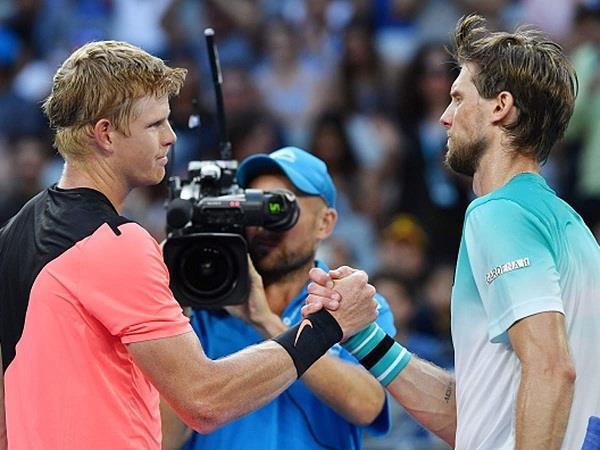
{"x":160,"y":174}
{"x":155,"y":178}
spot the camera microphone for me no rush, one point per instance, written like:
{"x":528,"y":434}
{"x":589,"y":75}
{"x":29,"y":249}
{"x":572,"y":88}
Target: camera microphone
{"x":179,"y":213}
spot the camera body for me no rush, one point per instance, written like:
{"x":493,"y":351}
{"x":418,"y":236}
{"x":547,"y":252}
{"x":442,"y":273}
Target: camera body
{"x":205,"y":250}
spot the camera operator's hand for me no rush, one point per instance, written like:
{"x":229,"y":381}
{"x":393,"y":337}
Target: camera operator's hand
{"x":356,"y":307}
{"x":256,"y":311}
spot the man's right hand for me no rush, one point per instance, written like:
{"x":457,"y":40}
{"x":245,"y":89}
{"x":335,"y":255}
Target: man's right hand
{"x":321,"y":293}
{"x":256,"y":311}
{"x":357,"y":307}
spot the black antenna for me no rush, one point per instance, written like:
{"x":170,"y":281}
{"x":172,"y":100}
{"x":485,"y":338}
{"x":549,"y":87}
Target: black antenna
{"x":215,"y":67}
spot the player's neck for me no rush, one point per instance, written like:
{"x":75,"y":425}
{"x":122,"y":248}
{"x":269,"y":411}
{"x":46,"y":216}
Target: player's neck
{"x":282,"y":292}
{"x":78,"y":175}
{"x":498,"y":166}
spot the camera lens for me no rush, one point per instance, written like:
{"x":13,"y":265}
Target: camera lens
{"x":208,"y":270}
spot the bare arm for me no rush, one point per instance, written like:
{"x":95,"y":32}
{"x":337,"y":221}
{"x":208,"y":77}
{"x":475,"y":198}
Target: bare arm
{"x":428,"y":393}
{"x":175,"y":433}
{"x":205,"y":393}
{"x":547,"y":378}
{"x":347,"y":388}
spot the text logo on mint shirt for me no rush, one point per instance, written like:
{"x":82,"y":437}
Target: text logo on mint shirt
{"x":504,"y":268}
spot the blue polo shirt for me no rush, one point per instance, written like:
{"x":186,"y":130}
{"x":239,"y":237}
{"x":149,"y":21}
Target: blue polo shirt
{"x":296,"y":419}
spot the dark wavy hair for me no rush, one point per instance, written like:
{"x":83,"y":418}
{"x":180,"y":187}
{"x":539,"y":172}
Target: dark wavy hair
{"x":532,"y":68}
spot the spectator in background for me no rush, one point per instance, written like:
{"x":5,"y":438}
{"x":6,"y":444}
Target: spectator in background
{"x":431,"y":192}
{"x":46,"y":30}
{"x":397,"y":32}
{"x":252,"y":133}
{"x":359,"y":91}
{"x":292,"y":89}
{"x":252,"y":128}
{"x":583,"y":133}
{"x":405,"y":300}
{"x":401,"y":26}
{"x":432,"y":317}
{"x":319,"y":29}
{"x":27,"y":157}
{"x":140,"y":23}
{"x":237,"y":30}
{"x":331,"y":144}
{"x":146,"y":205}
{"x":18,"y":116}
{"x":403,"y":248}
{"x":240,"y":93}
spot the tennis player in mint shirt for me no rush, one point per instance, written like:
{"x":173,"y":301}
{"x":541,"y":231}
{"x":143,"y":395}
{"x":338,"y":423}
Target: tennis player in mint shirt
{"x":524,"y":254}
{"x":526,"y":296}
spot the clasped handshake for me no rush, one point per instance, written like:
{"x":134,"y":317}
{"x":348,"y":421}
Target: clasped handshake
{"x":347,"y":295}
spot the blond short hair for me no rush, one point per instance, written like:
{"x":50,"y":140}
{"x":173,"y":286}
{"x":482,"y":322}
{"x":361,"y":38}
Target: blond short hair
{"x":533,"y":69}
{"x":99,"y":80}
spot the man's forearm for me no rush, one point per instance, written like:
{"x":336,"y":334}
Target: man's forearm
{"x":232,"y":386}
{"x":428,"y":393}
{"x":547,"y":380}
{"x":174,"y":431}
{"x":348,"y":389}
{"x":543,"y":406}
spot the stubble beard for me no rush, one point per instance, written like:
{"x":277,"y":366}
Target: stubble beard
{"x":279,"y":267}
{"x":464,"y":157}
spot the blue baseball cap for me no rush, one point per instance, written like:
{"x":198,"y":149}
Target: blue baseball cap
{"x":306,"y":172}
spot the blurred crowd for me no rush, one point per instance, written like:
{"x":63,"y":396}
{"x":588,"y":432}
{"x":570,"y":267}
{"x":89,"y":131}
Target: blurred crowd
{"x":359,"y":83}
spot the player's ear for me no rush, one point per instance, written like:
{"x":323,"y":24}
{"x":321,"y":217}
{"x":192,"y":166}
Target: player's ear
{"x":504,"y":109}
{"x":327,"y":221}
{"x":103,"y":135}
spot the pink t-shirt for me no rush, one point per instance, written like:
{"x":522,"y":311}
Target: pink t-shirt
{"x":73,"y":384}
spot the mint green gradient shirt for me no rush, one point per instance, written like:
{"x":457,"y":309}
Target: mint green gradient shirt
{"x":523,"y":251}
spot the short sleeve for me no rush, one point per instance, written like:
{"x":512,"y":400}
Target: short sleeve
{"x":124,"y":284}
{"x":513,"y":264}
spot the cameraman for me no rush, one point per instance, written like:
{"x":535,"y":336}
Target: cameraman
{"x":90,"y":331}
{"x":336,"y":398}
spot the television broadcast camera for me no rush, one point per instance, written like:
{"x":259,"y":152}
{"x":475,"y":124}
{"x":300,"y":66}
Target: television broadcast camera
{"x":205,"y":250}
